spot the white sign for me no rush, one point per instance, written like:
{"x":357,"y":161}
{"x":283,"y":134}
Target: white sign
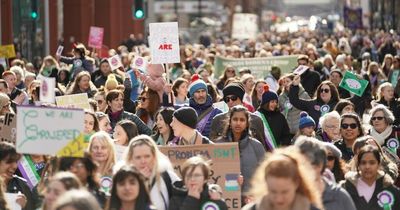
{"x":140,"y":63}
{"x":47,"y":131}
{"x":11,"y":199}
{"x":115,"y":62}
{"x":164,"y":43}
{"x":245,"y":26}
{"x":300,"y":69}
{"x":59,"y":50}
{"x":47,"y":89}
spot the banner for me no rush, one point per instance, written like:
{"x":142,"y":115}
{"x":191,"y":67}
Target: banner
{"x":7,"y":51}
{"x":47,"y":89}
{"x":164,"y":43}
{"x":50,"y":131}
{"x":96,"y":37}
{"x":73,"y":101}
{"x":353,"y":18}
{"x":245,"y":26}
{"x":259,"y":67}
{"x":8,"y":128}
{"x":353,"y":84}
{"x":225,"y":165}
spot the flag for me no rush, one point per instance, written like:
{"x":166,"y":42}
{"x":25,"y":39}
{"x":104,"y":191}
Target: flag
{"x":353,"y":84}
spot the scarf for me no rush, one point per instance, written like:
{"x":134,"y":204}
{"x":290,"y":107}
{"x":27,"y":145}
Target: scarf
{"x":380,"y":137}
{"x":114,"y":116}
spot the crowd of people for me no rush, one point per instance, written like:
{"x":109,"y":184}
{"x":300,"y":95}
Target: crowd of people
{"x":302,"y":139}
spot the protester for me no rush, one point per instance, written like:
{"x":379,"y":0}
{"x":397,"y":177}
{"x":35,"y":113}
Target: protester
{"x":91,"y":123}
{"x":116,"y":112}
{"x":229,"y":72}
{"x":102,"y":151}
{"x":77,"y":200}
{"x":251,"y":152}
{"x":129,"y":190}
{"x":385,"y":96}
{"x":202,"y":103}
{"x":5,"y":104}
{"x":82,"y":84}
{"x":20,"y":97}
{"x":233,"y":96}
{"x":79,"y":61}
{"x":350,"y":130}
{"x":149,"y":104}
{"x":102,"y":75}
{"x":330,"y":127}
{"x":164,"y":133}
{"x":193,"y":192}
{"x":100,"y":98}
{"x":309,"y":79}
{"x":180,"y":90}
{"x":104,"y":122}
{"x":143,"y":154}
{"x":344,"y":106}
{"x":183,"y":124}
{"x":124,"y":132}
{"x":284,"y":181}
{"x":257,"y":92}
{"x":306,"y":126}
{"x":369,"y":187}
{"x":334,"y":162}
{"x":57,"y":186}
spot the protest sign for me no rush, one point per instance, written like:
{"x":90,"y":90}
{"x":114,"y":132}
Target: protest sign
{"x":353,"y":84}
{"x":164,"y":43}
{"x":8,"y":128}
{"x":47,"y":89}
{"x":140,"y":63}
{"x":245,"y":26}
{"x":260,"y":67}
{"x":96,"y":37}
{"x":50,"y":131}
{"x":300,"y":69}
{"x":7,"y":51}
{"x":115,"y":62}
{"x":59,"y":50}
{"x":74,"y":101}
{"x":225,"y":164}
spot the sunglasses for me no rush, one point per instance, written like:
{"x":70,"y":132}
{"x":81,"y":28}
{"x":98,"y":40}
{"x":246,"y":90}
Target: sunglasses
{"x":324,"y":90}
{"x":351,"y":125}
{"x":330,"y":158}
{"x":377,"y":118}
{"x":230,"y":98}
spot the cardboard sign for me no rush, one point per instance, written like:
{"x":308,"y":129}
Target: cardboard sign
{"x":245,"y":26}
{"x":353,"y":84}
{"x":47,"y":89}
{"x":225,"y":164}
{"x":164,"y":42}
{"x":140,"y":63}
{"x":260,"y":67}
{"x":96,"y":35}
{"x":300,"y":69}
{"x":73,"y":101}
{"x":50,"y":131}
{"x":8,"y":130}
{"x":59,"y":50}
{"x":7,"y":51}
{"x":115,"y":62}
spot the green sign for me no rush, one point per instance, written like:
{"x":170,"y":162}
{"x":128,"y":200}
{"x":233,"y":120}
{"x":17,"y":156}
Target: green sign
{"x":259,"y":67}
{"x":353,"y":84}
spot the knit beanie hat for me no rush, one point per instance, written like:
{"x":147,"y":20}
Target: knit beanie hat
{"x":268,"y":95}
{"x":234,"y":88}
{"x":187,"y":116}
{"x":111,"y":82}
{"x":196,"y":84}
{"x":305,"y":120}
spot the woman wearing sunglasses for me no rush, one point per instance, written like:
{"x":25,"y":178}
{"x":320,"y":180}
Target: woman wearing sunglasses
{"x":350,"y":130}
{"x":325,"y":99}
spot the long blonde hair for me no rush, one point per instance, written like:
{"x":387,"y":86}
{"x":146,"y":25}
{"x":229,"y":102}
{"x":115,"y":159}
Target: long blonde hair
{"x":286,"y":163}
{"x":104,"y":139}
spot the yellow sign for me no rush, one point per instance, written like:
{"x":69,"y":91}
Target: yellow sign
{"x":73,"y":101}
{"x":75,"y":148}
{"x":7,"y":51}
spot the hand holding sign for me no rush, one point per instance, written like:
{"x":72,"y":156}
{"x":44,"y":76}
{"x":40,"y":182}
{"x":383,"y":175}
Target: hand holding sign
{"x":300,"y":69}
{"x":296,"y":80}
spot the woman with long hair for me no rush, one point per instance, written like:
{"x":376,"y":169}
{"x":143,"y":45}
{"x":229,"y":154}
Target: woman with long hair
{"x":124,"y":132}
{"x":149,"y":103}
{"x":82,"y":84}
{"x":180,"y":90}
{"x":104,"y":122}
{"x":164,"y":134}
{"x":385,"y":95}
{"x":250,"y":149}
{"x":144,"y":155}
{"x":129,"y":191}
{"x":256,"y":94}
{"x":285,"y":180}
{"x":229,"y":72}
{"x":102,"y":151}
{"x":369,"y":187}
{"x":376,"y":76}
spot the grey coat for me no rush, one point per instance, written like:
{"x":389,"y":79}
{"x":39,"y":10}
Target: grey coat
{"x":291,"y":113}
{"x":218,"y":126}
{"x":251,"y":154}
{"x":335,"y":197}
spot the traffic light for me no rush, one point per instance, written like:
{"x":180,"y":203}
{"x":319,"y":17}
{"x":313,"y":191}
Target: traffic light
{"x":138,"y":12}
{"x":34,"y":10}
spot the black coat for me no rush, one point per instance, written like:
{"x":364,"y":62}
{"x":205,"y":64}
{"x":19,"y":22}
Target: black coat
{"x":394,"y":106}
{"x":279,"y":126}
{"x":18,"y":184}
{"x":310,"y":80}
{"x":182,"y":201}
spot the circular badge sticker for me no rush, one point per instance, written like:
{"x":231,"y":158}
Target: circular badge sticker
{"x":210,"y":206}
{"x":106,"y":183}
{"x":392,"y":143}
{"x":385,"y":199}
{"x":77,"y":63}
{"x":288,"y":105}
{"x":139,"y":61}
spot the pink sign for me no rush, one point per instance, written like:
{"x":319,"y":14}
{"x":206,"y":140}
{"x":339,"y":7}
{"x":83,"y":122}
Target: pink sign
{"x":96,"y":37}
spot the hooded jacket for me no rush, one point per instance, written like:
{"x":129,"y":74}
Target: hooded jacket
{"x":202,"y":108}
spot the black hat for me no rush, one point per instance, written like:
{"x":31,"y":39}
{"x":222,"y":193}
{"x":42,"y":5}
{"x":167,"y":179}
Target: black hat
{"x":234,"y":88}
{"x":187,"y":116}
